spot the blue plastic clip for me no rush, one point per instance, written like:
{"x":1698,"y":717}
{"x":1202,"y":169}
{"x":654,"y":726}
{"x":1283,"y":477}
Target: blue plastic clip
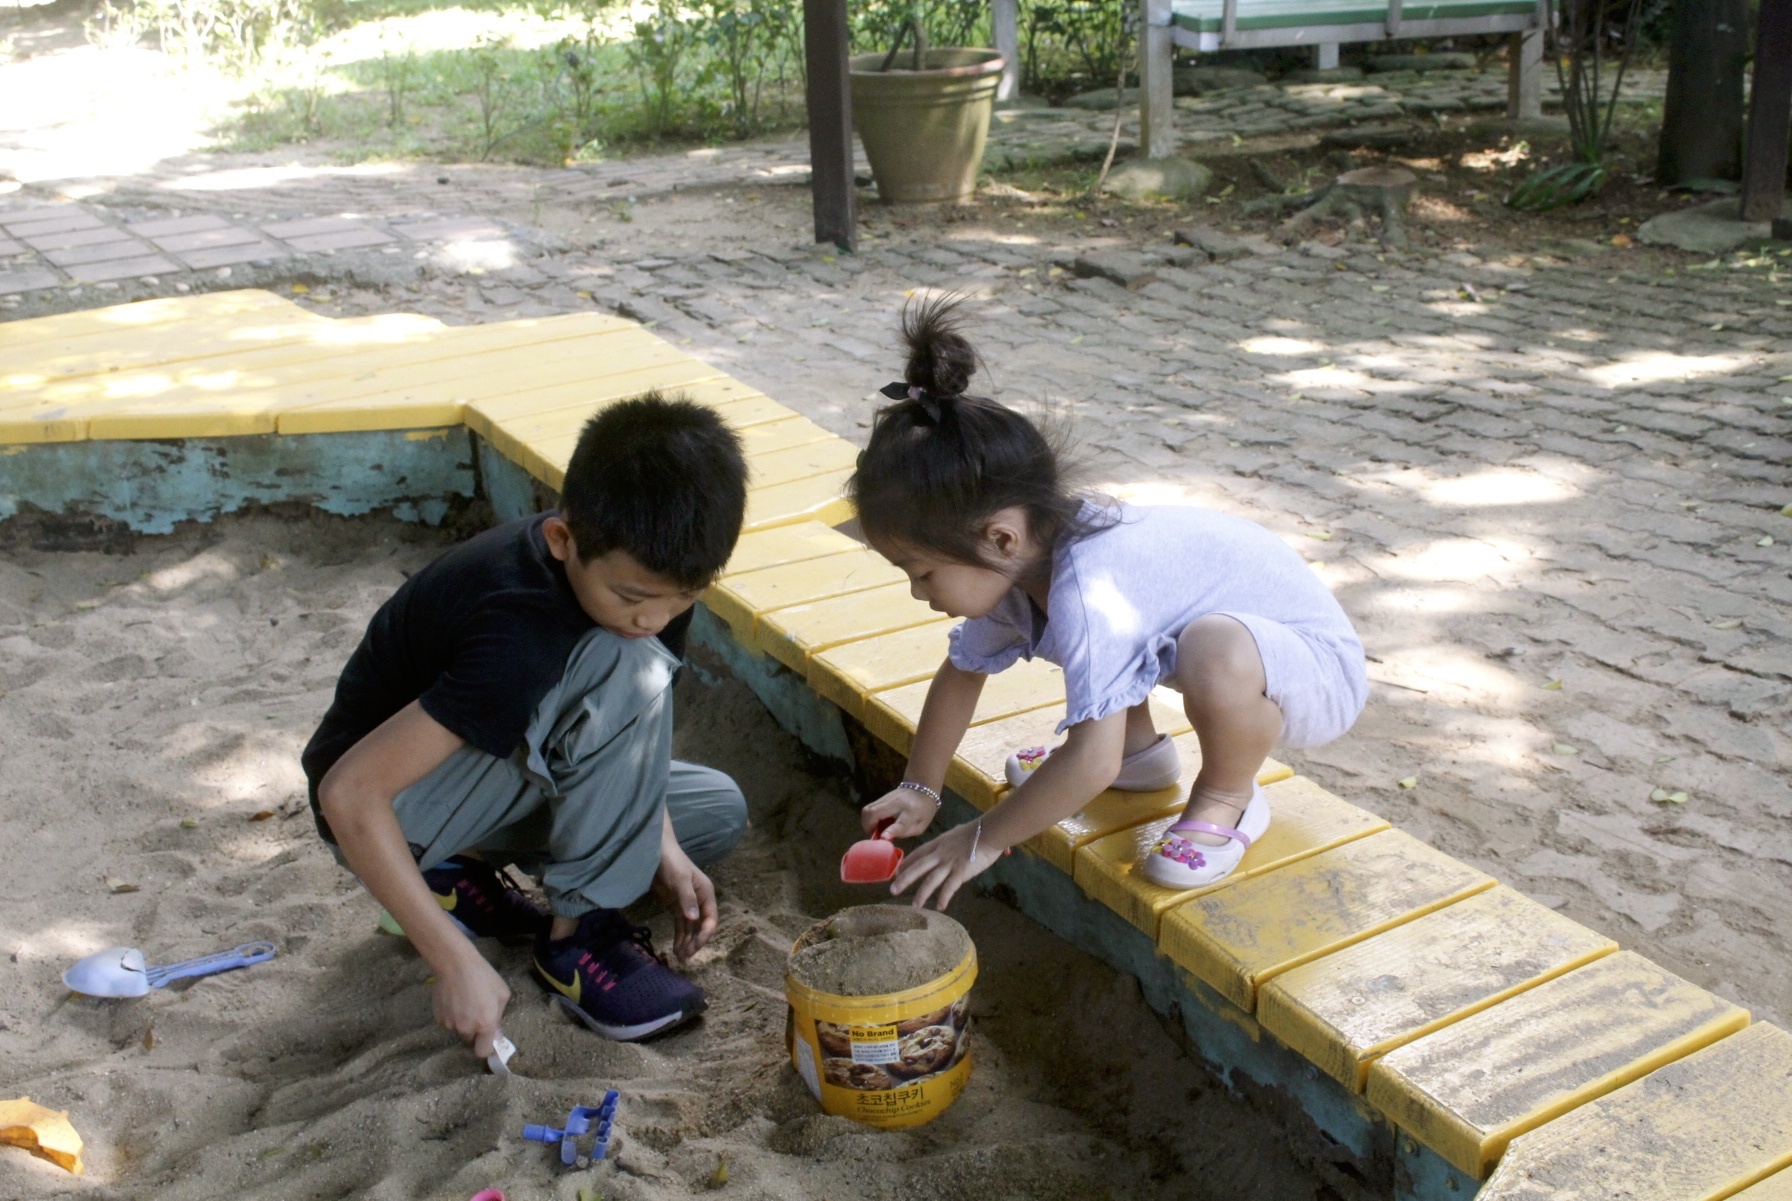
{"x":580,"y":1122}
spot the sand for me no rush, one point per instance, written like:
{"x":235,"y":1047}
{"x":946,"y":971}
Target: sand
{"x":873,"y":949}
{"x":155,"y":698}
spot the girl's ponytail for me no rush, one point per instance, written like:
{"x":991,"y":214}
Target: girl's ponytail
{"x":939,"y":463}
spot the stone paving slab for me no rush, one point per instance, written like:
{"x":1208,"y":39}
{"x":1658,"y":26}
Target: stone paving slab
{"x":111,"y":269}
{"x":99,"y":252}
{"x":66,"y":239}
{"x":166,"y":227}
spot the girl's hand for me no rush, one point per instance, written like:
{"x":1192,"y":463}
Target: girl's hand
{"x":938,"y":869}
{"x":911,"y":813}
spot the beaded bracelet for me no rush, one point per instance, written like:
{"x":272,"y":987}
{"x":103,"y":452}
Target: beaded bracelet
{"x":925,"y":791}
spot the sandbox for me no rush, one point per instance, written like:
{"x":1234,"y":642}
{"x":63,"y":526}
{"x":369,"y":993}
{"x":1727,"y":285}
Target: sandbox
{"x":1395,"y":1022}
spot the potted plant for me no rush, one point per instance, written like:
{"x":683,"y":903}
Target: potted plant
{"x":924,"y":116}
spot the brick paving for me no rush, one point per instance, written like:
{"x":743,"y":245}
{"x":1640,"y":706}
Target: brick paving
{"x":1549,"y":493}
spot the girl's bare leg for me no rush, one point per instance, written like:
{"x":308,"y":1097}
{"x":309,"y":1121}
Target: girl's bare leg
{"x":1222,"y":681}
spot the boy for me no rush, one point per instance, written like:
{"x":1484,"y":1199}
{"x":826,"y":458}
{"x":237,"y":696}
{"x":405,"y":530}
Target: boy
{"x":513,"y":700}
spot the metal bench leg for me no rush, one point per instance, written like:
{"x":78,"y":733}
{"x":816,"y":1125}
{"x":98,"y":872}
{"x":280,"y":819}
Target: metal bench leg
{"x":1004,"y":20}
{"x":1325,"y":56}
{"x":1157,"y":133}
{"x":1524,"y":80}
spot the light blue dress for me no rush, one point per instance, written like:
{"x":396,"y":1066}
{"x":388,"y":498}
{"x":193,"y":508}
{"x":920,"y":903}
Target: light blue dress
{"x":1120,"y":598}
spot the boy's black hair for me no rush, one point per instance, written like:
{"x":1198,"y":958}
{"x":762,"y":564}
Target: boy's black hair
{"x":662,"y":479}
{"x":940,"y":463}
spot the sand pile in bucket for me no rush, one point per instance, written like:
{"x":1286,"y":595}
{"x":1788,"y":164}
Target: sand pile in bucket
{"x":874,"y":949}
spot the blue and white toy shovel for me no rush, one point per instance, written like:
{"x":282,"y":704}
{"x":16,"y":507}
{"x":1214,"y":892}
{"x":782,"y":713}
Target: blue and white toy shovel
{"x":121,"y":972}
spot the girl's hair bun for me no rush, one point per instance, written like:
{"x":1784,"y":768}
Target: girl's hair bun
{"x":940,"y":359}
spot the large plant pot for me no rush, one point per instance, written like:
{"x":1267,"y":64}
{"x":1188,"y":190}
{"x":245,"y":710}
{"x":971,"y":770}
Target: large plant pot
{"x":924,"y":130}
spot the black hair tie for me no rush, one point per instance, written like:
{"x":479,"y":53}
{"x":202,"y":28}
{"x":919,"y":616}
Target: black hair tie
{"x":930,"y":404}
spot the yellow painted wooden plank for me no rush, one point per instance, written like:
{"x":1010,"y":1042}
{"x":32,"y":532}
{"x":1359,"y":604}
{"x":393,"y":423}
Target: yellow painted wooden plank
{"x":118,"y":318}
{"x":1114,"y":810}
{"x":741,"y":599}
{"x":801,"y":462}
{"x":817,"y":498}
{"x":1305,"y":819}
{"x":1777,"y":1187}
{"x":855,"y":570}
{"x":26,"y":368}
{"x":1350,"y":1007}
{"x":1028,"y":685}
{"x":242,"y":394}
{"x":786,"y":544}
{"x":1470,"y":1088}
{"x":745,"y":405}
{"x":845,"y":674}
{"x":976,"y":772}
{"x":782,"y":435}
{"x":742,"y":414}
{"x":1700,"y":1129}
{"x":1239,"y":938}
{"x":347,"y":357}
{"x":792,"y":634}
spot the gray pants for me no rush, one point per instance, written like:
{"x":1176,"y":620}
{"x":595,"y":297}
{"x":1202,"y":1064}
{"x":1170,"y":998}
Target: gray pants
{"x":581,"y":802}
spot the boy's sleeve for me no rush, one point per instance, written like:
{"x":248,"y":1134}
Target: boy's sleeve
{"x":497,"y":677}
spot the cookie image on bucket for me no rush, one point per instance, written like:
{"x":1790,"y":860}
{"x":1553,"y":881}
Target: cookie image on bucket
{"x":879,"y":1023}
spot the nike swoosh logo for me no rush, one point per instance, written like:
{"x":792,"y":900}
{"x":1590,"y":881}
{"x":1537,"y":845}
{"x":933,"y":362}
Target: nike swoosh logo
{"x":571,"y":991}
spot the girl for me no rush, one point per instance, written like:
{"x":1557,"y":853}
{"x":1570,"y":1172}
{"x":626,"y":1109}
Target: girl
{"x":966,"y":496}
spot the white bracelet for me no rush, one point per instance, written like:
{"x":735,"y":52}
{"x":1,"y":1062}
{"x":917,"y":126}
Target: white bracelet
{"x":925,"y":791}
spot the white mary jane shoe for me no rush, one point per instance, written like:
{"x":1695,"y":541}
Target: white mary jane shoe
{"x":1175,"y":862}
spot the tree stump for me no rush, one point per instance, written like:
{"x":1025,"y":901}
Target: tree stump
{"x":1382,"y":191}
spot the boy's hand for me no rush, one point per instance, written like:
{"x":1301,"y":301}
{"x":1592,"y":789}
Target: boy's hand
{"x":940,"y":867}
{"x":683,"y":888}
{"x":912,"y":813}
{"x":469,"y":999}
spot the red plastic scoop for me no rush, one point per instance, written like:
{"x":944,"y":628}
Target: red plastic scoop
{"x":871,"y":860}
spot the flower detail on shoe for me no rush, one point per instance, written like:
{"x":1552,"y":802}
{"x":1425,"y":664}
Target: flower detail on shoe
{"x":1030,"y":757}
{"x":1180,"y":850}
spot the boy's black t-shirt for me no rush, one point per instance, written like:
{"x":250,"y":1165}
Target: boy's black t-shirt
{"x":478,"y":637}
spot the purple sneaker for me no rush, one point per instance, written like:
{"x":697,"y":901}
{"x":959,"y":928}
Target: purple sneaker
{"x":607,"y":976}
{"x":486,"y":903}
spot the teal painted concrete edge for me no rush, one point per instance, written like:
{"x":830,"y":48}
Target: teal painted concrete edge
{"x":795,"y":706}
{"x":151,"y":486}
{"x":509,"y":489}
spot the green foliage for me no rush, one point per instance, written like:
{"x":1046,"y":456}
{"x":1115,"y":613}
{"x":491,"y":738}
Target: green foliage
{"x":1070,"y":45}
{"x":1557,"y":187}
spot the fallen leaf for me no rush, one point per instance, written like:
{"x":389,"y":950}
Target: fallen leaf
{"x":719,"y":1177}
{"x":1553,"y":686}
{"x":261,"y":815}
{"x":1664,"y":797}
{"x":1410,"y":782}
{"x":1764,"y":540}
{"x":1321,"y":535}
{"x":1622,"y":240}
{"x":1787,"y":511}
{"x":1378,"y":287}
{"x":189,"y":823}
{"x":300,"y":288}
{"x":114,"y":884}
{"x":149,"y":1039}
{"x":1727,"y":625}
{"x":1562,"y":748}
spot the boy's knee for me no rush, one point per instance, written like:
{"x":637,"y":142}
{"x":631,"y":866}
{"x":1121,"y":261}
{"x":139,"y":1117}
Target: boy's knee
{"x":709,"y":814}
{"x":1217,"y":657}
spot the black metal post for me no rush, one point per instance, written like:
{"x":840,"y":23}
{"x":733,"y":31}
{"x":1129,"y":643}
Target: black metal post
{"x":830,"y":122}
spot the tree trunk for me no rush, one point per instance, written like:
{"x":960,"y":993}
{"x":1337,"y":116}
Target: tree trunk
{"x":1701,"y":127}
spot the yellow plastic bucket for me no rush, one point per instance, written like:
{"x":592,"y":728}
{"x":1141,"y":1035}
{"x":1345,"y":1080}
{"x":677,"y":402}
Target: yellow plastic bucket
{"x":893,"y":1060}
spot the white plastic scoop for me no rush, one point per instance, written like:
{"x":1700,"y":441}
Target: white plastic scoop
{"x":122,"y":972}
